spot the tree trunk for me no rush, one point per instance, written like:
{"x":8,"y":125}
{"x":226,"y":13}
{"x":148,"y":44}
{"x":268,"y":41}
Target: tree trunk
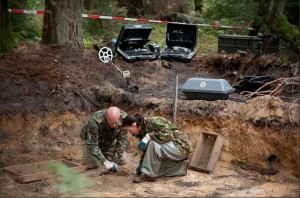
{"x":63,"y":23}
{"x":6,"y":37}
{"x":277,"y":23}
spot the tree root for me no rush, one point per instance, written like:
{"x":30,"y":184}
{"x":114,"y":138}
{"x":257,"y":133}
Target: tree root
{"x":281,"y":84}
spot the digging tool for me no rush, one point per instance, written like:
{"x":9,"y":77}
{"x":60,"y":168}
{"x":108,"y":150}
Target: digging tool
{"x":106,"y":56}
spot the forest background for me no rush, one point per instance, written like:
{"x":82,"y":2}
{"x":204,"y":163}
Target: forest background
{"x":244,"y":13}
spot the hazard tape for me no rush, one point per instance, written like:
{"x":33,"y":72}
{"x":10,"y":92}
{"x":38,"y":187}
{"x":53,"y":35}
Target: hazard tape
{"x":26,"y":11}
{"x":123,"y":18}
{"x":93,"y":16}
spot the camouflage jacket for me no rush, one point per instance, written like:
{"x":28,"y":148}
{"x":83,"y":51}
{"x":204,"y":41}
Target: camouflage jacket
{"x":97,"y":133}
{"x":161,"y":131}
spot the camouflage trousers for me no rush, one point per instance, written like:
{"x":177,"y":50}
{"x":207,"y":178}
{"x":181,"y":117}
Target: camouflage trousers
{"x":163,"y":160}
{"x":90,"y":160}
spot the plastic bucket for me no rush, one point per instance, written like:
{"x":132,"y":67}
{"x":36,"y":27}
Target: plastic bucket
{"x":252,"y":83}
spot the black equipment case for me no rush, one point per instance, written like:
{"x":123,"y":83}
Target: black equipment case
{"x":181,"y":40}
{"x":132,"y":40}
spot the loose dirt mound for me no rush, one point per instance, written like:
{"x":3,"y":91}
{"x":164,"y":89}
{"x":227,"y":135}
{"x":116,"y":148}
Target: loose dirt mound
{"x":47,"y":92}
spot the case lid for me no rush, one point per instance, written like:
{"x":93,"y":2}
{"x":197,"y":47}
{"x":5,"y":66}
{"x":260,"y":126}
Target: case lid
{"x":133,"y":36}
{"x":182,"y":35}
{"x":240,"y":37}
{"x":207,"y":85}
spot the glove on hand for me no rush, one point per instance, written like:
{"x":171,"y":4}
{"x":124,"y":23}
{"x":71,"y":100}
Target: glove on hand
{"x":144,"y":143}
{"x":138,"y":170}
{"x":111,"y":166}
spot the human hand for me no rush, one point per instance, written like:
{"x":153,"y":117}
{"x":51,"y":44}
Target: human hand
{"x":144,"y":143}
{"x":111,"y":166}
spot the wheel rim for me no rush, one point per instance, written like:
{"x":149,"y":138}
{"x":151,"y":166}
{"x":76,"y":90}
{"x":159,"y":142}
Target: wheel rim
{"x":105,"y":55}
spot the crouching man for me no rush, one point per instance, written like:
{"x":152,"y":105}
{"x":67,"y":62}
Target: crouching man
{"x":104,"y":140}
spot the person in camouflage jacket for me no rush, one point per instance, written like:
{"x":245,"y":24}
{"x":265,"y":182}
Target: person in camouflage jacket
{"x":104,"y":140}
{"x":165,"y":148}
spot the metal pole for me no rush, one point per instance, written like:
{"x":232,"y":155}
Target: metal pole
{"x":175,"y":101}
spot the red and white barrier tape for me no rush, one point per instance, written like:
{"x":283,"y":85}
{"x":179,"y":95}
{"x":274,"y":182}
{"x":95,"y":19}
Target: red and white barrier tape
{"x":130,"y":19}
{"x":26,"y":11}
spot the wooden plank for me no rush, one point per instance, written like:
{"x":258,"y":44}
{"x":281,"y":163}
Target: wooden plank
{"x":69,"y":163}
{"x":80,"y":169}
{"x":33,"y":177}
{"x":28,"y":166}
{"x":215,"y":153}
{"x":44,"y":175}
{"x":13,"y":173}
{"x":39,"y":171}
{"x":211,"y":133}
{"x":197,"y":152}
{"x":207,"y":151}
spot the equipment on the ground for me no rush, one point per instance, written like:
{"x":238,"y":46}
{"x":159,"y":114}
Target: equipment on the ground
{"x":106,"y":56}
{"x":206,"y":89}
{"x":181,"y":41}
{"x":132,"y":40}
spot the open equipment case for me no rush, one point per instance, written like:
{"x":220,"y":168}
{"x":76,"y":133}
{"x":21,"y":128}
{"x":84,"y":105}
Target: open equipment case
{"x":181,"y":40}
{"x":132,"y":40}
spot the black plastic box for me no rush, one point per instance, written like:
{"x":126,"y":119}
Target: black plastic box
{"x":230,"y":44}
{"x":132,"y":42}
{"x":252,"y":83}
{"x":206,"y":89}
{"x":181,"y":40}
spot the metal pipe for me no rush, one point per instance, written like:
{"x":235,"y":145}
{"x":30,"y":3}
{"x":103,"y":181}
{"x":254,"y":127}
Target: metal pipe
{"x":175,"y":101}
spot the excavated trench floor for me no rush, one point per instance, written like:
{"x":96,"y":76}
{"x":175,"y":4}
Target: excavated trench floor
{"x":48,"y":92}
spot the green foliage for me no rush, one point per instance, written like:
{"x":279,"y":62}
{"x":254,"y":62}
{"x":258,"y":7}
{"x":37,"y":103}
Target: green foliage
{"x":207,"y":41}
{"x":26,"y":26}
{"x":289,"y":32}
{"x":291,"y":11}
{"x":285,"y":61}
{"x":234,"y":10}
{"x":97,"y":29}
{"x":100,"y":31}
{"x":88,"y":40}
{"x":72,"y":183}
{"x":158,"y":34}
{"x":199,"y":5}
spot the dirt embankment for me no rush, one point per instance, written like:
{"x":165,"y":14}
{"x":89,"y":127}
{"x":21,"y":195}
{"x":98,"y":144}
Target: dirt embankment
{"x":48,"y":92}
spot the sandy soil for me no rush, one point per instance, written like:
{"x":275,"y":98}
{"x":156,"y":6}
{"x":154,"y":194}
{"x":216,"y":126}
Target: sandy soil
{"x":47,"y":92}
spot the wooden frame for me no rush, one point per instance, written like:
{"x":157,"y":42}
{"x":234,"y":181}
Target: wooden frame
{"x":24,"y":173}
{"x":207,"y":152}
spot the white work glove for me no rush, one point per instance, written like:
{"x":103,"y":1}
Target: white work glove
{"x":144,"y":143}
{"x":111,"y":166}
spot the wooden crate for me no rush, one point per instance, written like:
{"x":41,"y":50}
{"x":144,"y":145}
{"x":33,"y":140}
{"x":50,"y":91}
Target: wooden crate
{"x":207,"y":151}
{"x":37,"y":171}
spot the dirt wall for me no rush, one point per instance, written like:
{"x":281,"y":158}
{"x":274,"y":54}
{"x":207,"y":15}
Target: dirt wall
{"x":262,"y":132}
